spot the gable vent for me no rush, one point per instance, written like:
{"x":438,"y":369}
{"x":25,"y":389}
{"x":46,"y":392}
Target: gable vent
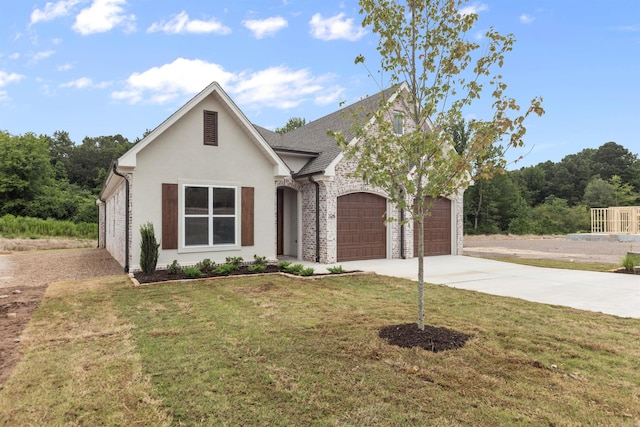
{"x":210,"y":127}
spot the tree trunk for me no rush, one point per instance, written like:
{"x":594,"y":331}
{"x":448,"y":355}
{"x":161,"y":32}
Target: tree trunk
{"x":421,"y":273}
{"x":477,"y":211}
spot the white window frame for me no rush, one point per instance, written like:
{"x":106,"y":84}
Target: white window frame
{"x":210,"y":246}
{"x":398,"y":123}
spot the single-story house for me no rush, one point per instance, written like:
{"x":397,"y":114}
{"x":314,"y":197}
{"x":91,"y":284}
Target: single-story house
{"x":214,"y":186}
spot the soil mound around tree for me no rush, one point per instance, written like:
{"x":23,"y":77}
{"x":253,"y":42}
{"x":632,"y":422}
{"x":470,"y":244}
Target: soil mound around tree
{"x":434,"y":339}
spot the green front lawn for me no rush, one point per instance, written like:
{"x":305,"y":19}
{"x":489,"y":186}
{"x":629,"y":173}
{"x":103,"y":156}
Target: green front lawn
{"x":274,"y":350}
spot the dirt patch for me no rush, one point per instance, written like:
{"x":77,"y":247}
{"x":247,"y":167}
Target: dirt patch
{"x":547,"y":247}
{"x":431,"y":338}
{"x":24,"y":277}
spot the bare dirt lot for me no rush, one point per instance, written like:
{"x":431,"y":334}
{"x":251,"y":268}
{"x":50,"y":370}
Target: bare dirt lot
{"x":547,"y":247}
{"x":27,"y":267}
{"x":25,"y":275}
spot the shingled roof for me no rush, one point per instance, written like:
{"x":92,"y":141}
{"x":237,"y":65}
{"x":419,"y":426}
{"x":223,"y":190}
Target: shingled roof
{"x":313,"y":137}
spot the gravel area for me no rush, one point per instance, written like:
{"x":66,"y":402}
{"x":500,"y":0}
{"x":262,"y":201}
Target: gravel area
{"x":547,"y":247}
{"x":24,"y":277}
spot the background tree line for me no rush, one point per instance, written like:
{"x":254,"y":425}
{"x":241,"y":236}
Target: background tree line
{"x":554,"y":197}
{"x":52,"y":177}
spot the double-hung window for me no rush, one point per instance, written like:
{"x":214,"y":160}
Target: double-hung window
{"x":210,"y":215}
{"x":398,"y":124}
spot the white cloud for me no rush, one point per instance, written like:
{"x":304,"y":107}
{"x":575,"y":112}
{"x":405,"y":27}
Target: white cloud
{"x":53,"y":10}
{"x":181,"y":24}
{"x":65,"y":67}
{"x":4,"y":96}
{"x":526,"y":19}
{"x":6,"y":78}
{"x":265,"y":27}
{"x":167,"y":82}
{"x":276,"y":87}
{"x":103,"y":16}
{"x":14,"y":55}
{"x":335,"y":28}
{"x":42,"y":55}
{"x":628,"y":28}
{"x":474,"y":8}
{"x":85,"y":83}
{"x":331,"y":96}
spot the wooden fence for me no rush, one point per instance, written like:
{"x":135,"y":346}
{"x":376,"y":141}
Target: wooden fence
{"x":620,"y":220}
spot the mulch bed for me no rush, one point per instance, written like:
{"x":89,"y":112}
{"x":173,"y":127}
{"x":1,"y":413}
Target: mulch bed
{"x":431,"y":338}
{"x":164,"y":275}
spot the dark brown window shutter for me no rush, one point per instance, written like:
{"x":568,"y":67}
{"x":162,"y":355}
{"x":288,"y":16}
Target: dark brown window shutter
{"x":169,"y":216}
{"x":210,"y":127}
{"x":247,"y":216}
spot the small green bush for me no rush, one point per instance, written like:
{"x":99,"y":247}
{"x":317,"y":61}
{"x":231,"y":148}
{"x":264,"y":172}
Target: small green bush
{"x":260,"y":260}
{"x":206,"y":265}
{"x":336,"y":269}
{"x":283,"y":265}
{"x":235,"y":261}
{"x":192,"y":272}
{"x":630,"y":261}
{"x":225,"y":269}
{"x":174,"y":267}
{"x":307,"y":271}
{"x":148,"y":248}
{"x":257,"y":268}
{"x":294,"y":269}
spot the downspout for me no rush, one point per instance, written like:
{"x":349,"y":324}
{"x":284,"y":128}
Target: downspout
{"x":317,"y":217}
{"x":105,"y":221}
{"x":126,"y":217}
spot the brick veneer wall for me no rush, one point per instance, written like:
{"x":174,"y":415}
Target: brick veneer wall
{"x":115,"y":222}
{"x":340,"y":184}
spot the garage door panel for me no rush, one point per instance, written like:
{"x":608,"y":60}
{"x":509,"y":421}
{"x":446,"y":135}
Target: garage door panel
{"x":437,"y":229}
{"x":361,"y":230}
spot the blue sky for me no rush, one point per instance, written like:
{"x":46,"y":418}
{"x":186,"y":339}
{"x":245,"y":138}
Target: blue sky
{"x":106,"y":67}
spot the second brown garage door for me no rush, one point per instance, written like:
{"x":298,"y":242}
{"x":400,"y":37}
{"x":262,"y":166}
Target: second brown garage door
{"x":361,"y":230}
{"x":437,"y":229}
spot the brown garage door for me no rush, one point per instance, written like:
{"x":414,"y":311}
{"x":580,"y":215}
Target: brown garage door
{"x":437,"y":229}
{"x":362,"y":233}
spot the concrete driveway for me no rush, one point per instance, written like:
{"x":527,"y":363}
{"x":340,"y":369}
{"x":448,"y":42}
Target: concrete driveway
{"x":610,"y":293}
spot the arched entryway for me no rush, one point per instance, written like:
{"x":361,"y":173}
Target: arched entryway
{"x":287,"y":222}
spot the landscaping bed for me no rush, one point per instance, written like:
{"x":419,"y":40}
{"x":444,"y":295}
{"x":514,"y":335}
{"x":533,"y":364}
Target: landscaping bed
{"x":166,"y":275}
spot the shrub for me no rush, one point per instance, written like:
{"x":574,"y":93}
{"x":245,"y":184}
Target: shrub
{"x":260,"y":260}
{"x":192,"y":272}
{"x":283,"y":265}
{"x":225,"y":269}
{"x":235,"y":261}
{"x":630,"y":261}
{"x":294,"y":269}
{"x":174,"y":267}
{"x":148,"y":248}
{"x":307,"y":271}
{"x":206,"y":265}
{"x":257,"y":268}
{"x":336,"y":269}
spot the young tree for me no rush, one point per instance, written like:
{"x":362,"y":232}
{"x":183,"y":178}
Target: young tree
{"x":437,"y":72}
